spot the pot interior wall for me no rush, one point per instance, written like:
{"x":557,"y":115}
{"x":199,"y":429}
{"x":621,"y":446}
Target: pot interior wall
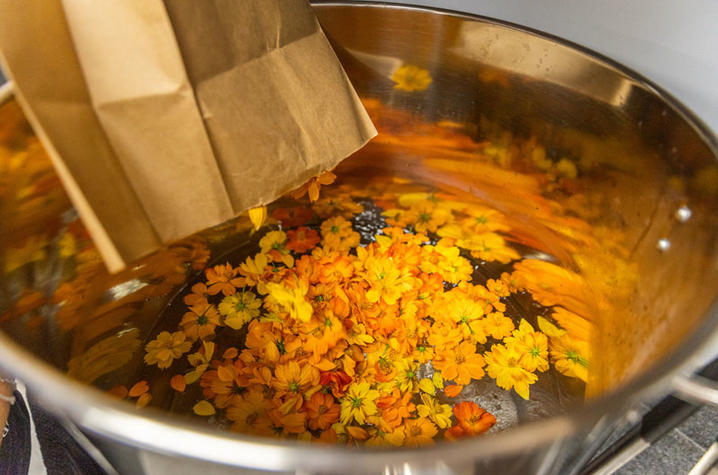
{"x":631,"y":220}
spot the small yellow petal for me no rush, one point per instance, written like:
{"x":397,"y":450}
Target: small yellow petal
{"x":427,"y":386}
{"x":257,"y":216}
{"x":438,"y":380}
{"x":204,"y":408}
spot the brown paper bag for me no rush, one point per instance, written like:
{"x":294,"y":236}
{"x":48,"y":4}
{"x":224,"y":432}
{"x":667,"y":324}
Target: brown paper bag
{"x":164,"y":118}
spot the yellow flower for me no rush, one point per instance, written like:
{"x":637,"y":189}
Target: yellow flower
{"x":503,"y":366}
{"x":166,"y":348}
{"x":387,"y":281}
{"x":452,"y":267}
{"x":419,"y":432}
{"x":570,"y":356}
{"x":424,"y":216}
{"x":274,"y":245}
{"x":411,"y":78}
{"x":257,"y":216}
{"x":338,"y":235}
{"x":240,"y":308}
{"x":358,"y":403}
{"x":253,"y":269}
{"x":466,"y":314}
{"x":293,"y":379}
{"x":406,"y":379}
{"x":292,"y":300}
{"x":439,"y":413}
{"x":530,"y":345}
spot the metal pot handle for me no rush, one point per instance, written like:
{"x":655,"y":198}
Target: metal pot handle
{"x":696,"y":389}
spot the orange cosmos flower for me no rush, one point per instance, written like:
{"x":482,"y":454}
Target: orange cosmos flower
{"x":322,"y":411}
{"x":250,"y":414}
{"x":473,"y":419}
{"x":302,"y":239}
{"x":338,"y":381}
{"x":461,"y":365}
{"x":223,"y":278}
{"x":292,"y":217}
{"x":292,"y":379}
{"x":200,"y":321}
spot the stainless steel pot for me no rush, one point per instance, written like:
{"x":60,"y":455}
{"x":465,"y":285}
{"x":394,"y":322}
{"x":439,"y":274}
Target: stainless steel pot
{"x":483,"y":71}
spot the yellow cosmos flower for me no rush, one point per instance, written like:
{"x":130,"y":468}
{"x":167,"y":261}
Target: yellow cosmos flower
{"x":338,"y":235}
{"x":406,"y":379}
{"x":274,"y":245}
{"x":503,"y":366}
{"x":166,"y":348}
{"x":531,"y":346}
{"x":358,"y":403}
{"x":440,"y":414}
{"x":293,"y":379}
{"x":387,"y":282}
{"x":419,"y":432}
{"x":570,"y":356}
{"x":240,"y":308}
{"x":291,"y":300}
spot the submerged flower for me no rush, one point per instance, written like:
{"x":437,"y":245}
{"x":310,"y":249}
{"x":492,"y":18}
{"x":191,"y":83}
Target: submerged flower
{"x":166,"y":348}
{"x":200,"y":321}
{"x":322,"y":411}
{"x":240,"y":308}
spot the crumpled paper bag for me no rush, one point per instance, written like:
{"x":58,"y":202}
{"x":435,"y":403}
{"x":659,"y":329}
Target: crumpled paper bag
{"x":166,"y":117}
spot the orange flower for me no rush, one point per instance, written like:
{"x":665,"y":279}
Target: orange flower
{"x":396,"y":407}
{"x":338,"y":381}
{"x":302,"y":239}
{"x":461,"y":365}
{"x":292,"y":379}
{"x":223,"y":278}
{"x":167,"y":347}
{"x":200,"y":321}
{"x":322,"y":411}
{"x":312,"y":187}
{"x":473,"y":419}
{"x":198,"y":295}
{"x":292,"y":217}
{"x":419,"y":432}
{"x":250,"y":414}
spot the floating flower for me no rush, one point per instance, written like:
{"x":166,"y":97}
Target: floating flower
{"x":530,"y":345}
{"x":223,"y":278}
{"x":503,"y":366}
{"x":472,"y":419}
{"x":439,"y":414}
{"x":166,"y":348}
{"x":419,"y":432}
{"x":462,"y":364}
{"x":238,"y":309}
{"x":358,"y":403}
{"x":274,"y":245}
{"x":322,"y":411}
{"x":302,"y":239}
{"x":338,"y":235}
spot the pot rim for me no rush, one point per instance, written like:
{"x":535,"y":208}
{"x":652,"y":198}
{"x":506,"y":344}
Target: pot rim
{"x":152,"y":429}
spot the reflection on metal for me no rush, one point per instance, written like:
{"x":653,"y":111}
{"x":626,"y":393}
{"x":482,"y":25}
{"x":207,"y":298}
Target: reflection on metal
{"x":126,"y":288}
{"x":539,"y":59}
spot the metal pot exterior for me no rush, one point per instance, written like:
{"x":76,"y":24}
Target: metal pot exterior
{"x":482,"y":71}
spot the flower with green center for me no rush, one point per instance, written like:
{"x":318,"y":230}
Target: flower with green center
{"x":238,"y":309}
{"x":358,"y":403}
